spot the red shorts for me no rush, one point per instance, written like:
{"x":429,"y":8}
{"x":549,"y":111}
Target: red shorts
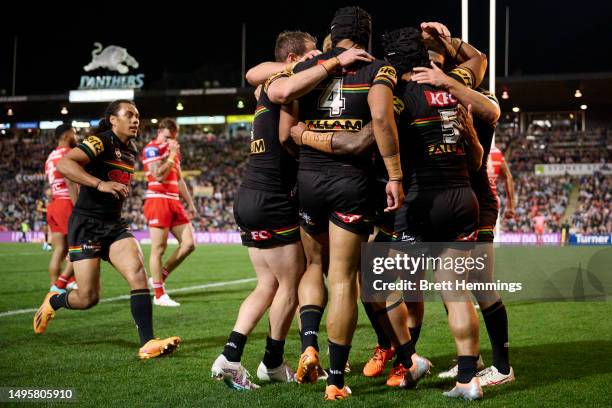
{"x":58,"y":213}
{"x":165,"y":212}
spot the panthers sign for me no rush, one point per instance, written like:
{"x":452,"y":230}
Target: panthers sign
{"x":111,"y":58}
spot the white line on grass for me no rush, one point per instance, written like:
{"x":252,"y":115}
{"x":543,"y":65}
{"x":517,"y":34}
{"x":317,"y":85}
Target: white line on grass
{"x":125,"y":297}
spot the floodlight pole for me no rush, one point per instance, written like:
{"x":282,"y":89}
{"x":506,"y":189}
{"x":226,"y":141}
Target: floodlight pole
{"x":464,"y":20}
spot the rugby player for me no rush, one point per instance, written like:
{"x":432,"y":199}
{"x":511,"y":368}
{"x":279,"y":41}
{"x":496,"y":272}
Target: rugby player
{"x":334,"y":190}
{"x":63,"y":197}
{"x":163,"y":210}
{"x":484,"y":183}
{"x":103,"y":165}
{"x":266,"y":214}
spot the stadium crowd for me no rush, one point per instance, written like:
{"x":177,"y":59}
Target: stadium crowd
{"x":214,"y":162}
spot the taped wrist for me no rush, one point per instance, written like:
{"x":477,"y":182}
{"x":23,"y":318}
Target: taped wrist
{"x":321,"y":141}
{"x":331,"y":64}
{"x":394,"y":167}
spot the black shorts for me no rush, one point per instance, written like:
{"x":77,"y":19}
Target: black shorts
{"x":342,"y":196}
{"x":90,"y":237}
{"x":438,"y":216}
{"x":384,"y":221}
{"x":266,"y":219}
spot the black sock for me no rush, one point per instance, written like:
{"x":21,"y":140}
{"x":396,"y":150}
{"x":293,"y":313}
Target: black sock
{"x":59,"y":301}
{"x":235,"y":346}
{"x":403,"y":355}
{"x":383,"y":340}
{"x":415,"y":333}
{"x":496,"y":320}
{"x":310,"y":316}
{"x":338,"y":356}
{"x":273,"y":357}
{"x":142,"y":312}
{"x":466,"y":368}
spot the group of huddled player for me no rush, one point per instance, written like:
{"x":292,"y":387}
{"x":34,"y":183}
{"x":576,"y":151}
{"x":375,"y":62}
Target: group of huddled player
{"x":343,"y":145}
{"x":327,"y":166}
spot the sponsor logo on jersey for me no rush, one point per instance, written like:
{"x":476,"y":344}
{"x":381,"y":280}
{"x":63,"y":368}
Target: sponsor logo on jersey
{"x":258,"y":146}
{"x":439,"y":98}
{"x":119,"y":176}
{"x":445,"y":148}
{"x":151,"y":152}
{"x":351,"y":125}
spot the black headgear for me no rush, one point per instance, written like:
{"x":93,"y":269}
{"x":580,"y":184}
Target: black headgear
{"x":405,"y":49}
{"x":353,"y":23}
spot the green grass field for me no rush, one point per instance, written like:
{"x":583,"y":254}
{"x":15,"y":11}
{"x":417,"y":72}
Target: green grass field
{"x":561,"y":351}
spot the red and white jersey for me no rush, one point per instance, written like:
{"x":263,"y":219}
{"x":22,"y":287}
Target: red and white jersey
{"x":59,"y":188}
{"x":539,"y":221}
{"x":496,"y":159}
{"x":168,"y":188}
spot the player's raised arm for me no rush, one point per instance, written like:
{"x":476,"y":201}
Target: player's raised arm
{"x":482,"y":106}
{"x":286,"y":88}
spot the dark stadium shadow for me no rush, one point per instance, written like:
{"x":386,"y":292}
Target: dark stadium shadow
{"x":539,"y":365}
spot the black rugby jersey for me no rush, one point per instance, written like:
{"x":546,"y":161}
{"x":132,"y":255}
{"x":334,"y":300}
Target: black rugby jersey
{"x":270,"y":166}
{"x":110,"y":160}
{"x":432,"y":152}
{"x":340,"y":103}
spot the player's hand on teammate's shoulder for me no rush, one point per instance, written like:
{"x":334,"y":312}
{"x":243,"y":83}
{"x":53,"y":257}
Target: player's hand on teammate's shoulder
{"x":352,"y":55}
{"x":432,"y":76}
{"x":296,"y":132}
{"x":118,"y":190}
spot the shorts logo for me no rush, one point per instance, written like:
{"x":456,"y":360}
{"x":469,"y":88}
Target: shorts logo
{"x":91,"y":246}
{"x":94,"y":144}
{"x":154,"y":221}
{"x":307,"y":219}
{"x":439,"y":98}
{"x":349,"y":218}
{"x":351,"y":125}
{"x":260,"y":235}
{"x":258,"y":146}
{"x":408,"y":238}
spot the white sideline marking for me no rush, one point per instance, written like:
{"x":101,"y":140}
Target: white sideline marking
{"x":125,"y":297}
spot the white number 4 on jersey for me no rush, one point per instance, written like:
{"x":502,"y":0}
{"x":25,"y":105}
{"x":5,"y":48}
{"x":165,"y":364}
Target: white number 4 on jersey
{"x":332,"y":98}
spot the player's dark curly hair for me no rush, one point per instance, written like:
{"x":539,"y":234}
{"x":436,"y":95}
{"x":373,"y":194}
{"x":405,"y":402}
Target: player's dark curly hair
{"x":353,"y":23}
{"x":405,"y":49}
{"x":111,"y":110}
